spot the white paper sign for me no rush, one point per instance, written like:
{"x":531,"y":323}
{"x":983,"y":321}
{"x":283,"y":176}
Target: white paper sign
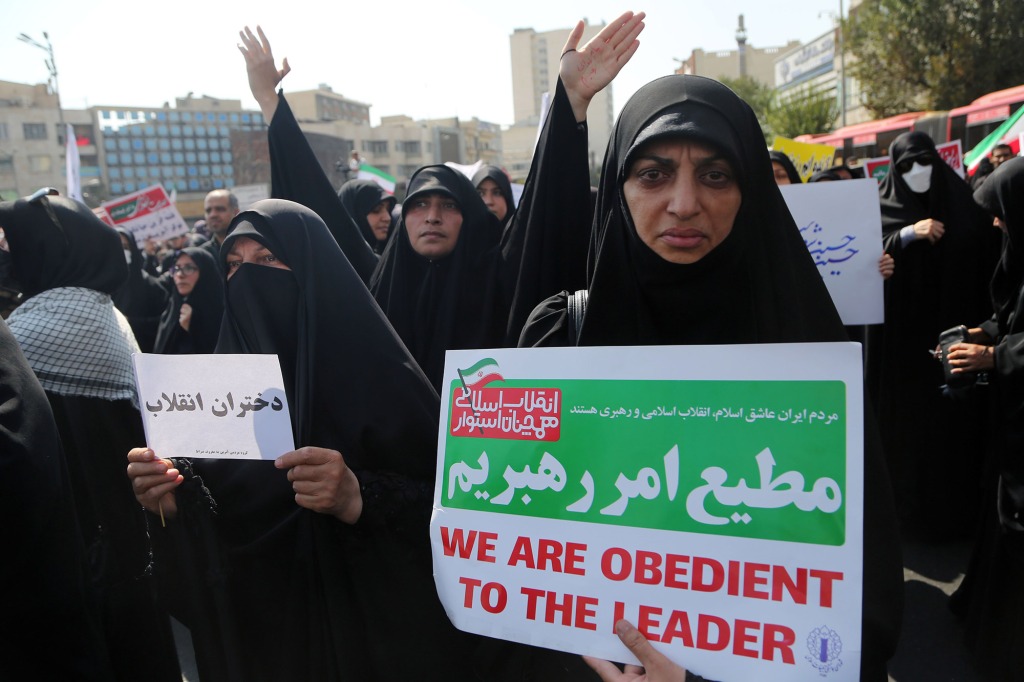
{"x":712,"y":495}
{"x":213,"y":406}
{"x":841,"y":223}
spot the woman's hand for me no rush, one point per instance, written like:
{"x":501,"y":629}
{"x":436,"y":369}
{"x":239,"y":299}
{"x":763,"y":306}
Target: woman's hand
{"x":970,"y":357}
{"x":263,"y":73}
{"x":656,"y":666}
{"x":886,"y":266}
{"x":185,"y":316}
{"x":588,"y":70}
{"x":153,"y":481}
{"x":323,"y":482}
{"x":929,"y":229}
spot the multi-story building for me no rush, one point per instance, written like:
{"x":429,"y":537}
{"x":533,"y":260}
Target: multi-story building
{"x":757,"y":63}
{"x":535,"y":58}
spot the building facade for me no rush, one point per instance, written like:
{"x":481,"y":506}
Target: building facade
{"x":535,"y":61}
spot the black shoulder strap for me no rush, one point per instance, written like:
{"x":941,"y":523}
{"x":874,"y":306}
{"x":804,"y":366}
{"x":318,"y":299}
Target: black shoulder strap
{"x":577,"y":309}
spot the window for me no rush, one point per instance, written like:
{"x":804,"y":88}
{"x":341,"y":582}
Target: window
{"x":165,"y":157}
{"x":215,"y":157}
{"x":139,"y":158}
{"x":179,"y":157}
{"x":175,"y":131}
{"x":4,"y":135}
{"x":173,"y":117}
{"x":186,"y":116}
{"x":190,"y":143}
{"x":375,"y":146}
{"x":203,"y":157}
{"x":115,"y":173}
{"x":215,"y":144}
{"x":110,"y":145}
{"x":226,"y":157}
{"x":190,"y":157}
{"x":116,"y":187}
{"x":161,"y":131}
{"x":34,"y":131}
{"x":165,"y":144}
{"x":176,"y":144}
{"x":202,"y":144}
{"x":137,"y":144}
{"x":124,"y":145}
{"x":153,"y":157}
{"x":129,"y":172}
{"x":129,"y":187}
{"x":40,"y":163}
{"x":200,"y":130}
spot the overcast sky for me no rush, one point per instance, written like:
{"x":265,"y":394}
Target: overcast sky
{"x":423,"y":59}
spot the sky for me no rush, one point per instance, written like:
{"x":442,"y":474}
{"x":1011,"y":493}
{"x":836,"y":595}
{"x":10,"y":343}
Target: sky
{"x":421,"y":59}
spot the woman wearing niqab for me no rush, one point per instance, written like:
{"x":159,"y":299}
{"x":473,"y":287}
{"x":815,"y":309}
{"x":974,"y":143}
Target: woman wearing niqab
{"x":79,"y":345}
{"x":757,"y":285}
{"x":277,"y":591}
{"x":991,"y":596}
{"x":945,"y":250}
{"x":206,"y":300}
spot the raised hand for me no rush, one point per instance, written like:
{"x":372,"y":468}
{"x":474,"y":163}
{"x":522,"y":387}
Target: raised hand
{"x":264,"y":75}
{"x":587,"y":70}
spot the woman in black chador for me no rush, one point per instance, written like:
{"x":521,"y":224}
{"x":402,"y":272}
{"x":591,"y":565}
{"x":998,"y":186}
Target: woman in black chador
{"x":451,"y":277}
{"x":141,"y":298}
{"x":191,"y":321}
{"x":692,"y":243}
{"x":68,"y":263}
{"x":496,"y":191}
{"x":944,"y":250}
{"x":370,"y":207}
{"x":992,"y":594}
{"x":316,"y":567}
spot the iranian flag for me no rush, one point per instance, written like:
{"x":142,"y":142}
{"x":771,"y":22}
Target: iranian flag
{"x":1008,"y":133}
{"x":368,"y":172}
{"x":480,"y":374}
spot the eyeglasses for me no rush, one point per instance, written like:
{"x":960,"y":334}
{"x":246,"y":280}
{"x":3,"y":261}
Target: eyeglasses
{"x":184,"y":269}
{"x":905,"y":166}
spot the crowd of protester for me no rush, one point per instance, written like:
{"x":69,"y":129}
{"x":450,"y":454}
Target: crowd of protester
{"x":303,"y":569}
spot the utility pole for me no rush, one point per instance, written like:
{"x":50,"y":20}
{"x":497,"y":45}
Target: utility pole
{"x":51,"y":67}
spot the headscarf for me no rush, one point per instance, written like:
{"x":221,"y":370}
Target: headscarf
{"x":207,"y":301}
{"x":335,"y":345}
{"x":359,"y":197}
{"x":58,"y":242}
{"x":451,"y":302}
{"x":758,"y":286}
{"x":784,"y":161}
{"x":827,"y":175}
{"x":68,"y":263}
{"x":141,"y":298}
{"x":1002,"y":195}
{"x":504,"y":184}
{"x":940,"y":285}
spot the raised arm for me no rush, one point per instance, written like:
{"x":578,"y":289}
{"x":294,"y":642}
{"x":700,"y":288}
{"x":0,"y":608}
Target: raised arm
{"x":587,"y":70}
{"x":544,"y":248}
{"x":295,"y":172}
{"x":264,"y":76}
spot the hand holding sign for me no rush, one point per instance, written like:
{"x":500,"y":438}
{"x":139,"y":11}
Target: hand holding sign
{"x":656,"y":666}
{"x":153,"y":481}
{"x":323,"y":482}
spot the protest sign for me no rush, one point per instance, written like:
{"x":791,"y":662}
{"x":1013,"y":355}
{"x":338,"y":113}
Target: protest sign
{"x":248,"y":195}
{"x":841,"y":223}
{"x":146,"y":214}
{"x":213,"y":406}
{"x":953,"y":155}
{"x":808,"y":158}
{"x":712,"y":495}
{"x":877,"y":168}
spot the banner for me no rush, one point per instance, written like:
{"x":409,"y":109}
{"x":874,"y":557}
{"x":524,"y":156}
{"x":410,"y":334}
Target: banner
{"x":72,"y":164}
{"x":368,"y":172}
{"x":877,"y":168}
{"x":841,"y":223}
{"x":712,"y":495}
{"x":213,"y":406}
{"x":808,"y":158}
{"x":146,"y":214}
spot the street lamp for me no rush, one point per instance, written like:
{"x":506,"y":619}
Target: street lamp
{"x":51,"y":67}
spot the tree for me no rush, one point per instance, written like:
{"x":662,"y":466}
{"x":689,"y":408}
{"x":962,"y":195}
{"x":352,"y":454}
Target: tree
{"x":807,"y":111}
{"x":760,"y":97}
{"x":934,"y":54}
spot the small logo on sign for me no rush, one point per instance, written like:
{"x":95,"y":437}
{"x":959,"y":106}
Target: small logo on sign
{"x":824,"y":647}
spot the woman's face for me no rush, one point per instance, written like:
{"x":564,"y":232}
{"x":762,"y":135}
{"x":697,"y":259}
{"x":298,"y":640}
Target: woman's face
{"x":683,"y":197}
{"x":246,"y":250}
{"x":493,"y":198}
{"x":380,"y":220}
{"x":433,"y":222}
{"x":185,"y":273}
{"x":781,"y":176}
